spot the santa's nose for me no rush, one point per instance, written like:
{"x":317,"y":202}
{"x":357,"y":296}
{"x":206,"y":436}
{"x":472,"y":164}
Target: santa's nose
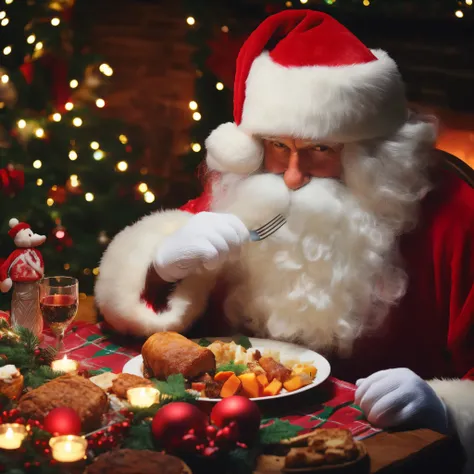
{"x":294,"y":177}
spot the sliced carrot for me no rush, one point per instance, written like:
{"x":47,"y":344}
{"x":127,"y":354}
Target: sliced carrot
{"x":296,"y":382}
{"x":231,"y":386}
{"x":198,"y":386}
{"x":251,"y":387}
{"x":262,"y":380}
{"x":273,"y":388}
{"x":223,"y":376}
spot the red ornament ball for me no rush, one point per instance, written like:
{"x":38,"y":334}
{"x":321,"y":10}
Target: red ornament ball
{"x":244,"y":412}
{"x":174,"y":421}
{"x":62,"y":421}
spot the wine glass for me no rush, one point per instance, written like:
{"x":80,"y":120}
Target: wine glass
{"x":58,"y":303}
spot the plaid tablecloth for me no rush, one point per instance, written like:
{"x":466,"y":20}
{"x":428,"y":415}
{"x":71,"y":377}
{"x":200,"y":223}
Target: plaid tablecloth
{"x":330,"y":405}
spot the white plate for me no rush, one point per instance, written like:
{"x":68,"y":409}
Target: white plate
{"x":287,"y":351}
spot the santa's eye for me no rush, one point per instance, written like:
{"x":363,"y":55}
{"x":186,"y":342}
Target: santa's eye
{"x":279,"y":145}
{"x":320,"y":148}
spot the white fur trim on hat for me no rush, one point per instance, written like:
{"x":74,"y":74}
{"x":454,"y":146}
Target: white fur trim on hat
{"x":231,"y":150}
{"x":342,"y":103}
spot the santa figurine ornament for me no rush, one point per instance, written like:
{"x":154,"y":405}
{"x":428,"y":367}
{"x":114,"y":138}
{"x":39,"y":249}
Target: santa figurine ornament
{"x":23,"y":269}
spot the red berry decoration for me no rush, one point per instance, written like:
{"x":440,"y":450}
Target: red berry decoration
{"x":62,"y":421}
{"x":176,"y":421}
{"x":243,"y":412}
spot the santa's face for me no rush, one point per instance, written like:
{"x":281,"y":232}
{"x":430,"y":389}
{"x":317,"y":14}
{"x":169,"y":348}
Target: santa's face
{"x":330,"y":270}
{"x":300,"y":160}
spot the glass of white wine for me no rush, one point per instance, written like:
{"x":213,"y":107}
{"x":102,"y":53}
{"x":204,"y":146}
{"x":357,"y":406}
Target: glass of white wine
{"x":59,"y":298}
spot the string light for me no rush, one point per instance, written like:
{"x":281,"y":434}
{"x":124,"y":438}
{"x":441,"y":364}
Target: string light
{"x":303,"y":1}
{"x":50,"y":202}
{"x":469,"y":2}
{"x":55,"y":21}
{"x":21,"y":123}
{"x":39,"y":182}
{"x":68,"y":105}
{"x":149,"y":197}
{"x":190,"y":20}
{"x":196,"y":116}
{"x":87,"y":271}
{"x":5,"y":78}
{"x":122,"y":166}
{"x":98,"y":155}
{"x":225,"y":29}
{"x":5,"y":22}
{"x":8,"y":2}
{"x":39,"y":132}
{"x":100,"y":103}
{"x":123,"y":139}
{"x":72,"y":155}
{"x":57,"y":117}
{"x":37,"y":164}
{"x":196,"y":147}
{"x":366,"y":3}
{"x":77,"y":121}
{"x":67,"y":266}
{"x":89,"y":197}
{"x":7,"y":50}
{"x":193,"y":105}
{"x":60,"y":234}
{"x":95,"y":145}
{"x":219,"y":86}
{"x":143,"y":187}
{"x":459,"y":13}
{"x":95,"y":271}
{"x":288,"y":4}
{"x":2,"y":15}
{"x":106,"y":70}
{"x":31,"y":39}
{"x":74,"y":181}
{"x":74,"y":83}
{"x":38,"y":46}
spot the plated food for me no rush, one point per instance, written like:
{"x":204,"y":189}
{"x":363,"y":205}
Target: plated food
{"x":217,"y":368}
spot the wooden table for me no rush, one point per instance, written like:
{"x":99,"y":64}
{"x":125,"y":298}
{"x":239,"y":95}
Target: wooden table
{"x":404,"y":452}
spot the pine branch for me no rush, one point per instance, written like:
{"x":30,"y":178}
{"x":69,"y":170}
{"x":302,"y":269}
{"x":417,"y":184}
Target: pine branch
{"x":29,"y":340}
{"x":38,"y":377}
{"x":140,"y":437}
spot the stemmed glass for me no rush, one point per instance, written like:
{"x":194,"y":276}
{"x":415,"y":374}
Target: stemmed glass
{"x":58,"y":302}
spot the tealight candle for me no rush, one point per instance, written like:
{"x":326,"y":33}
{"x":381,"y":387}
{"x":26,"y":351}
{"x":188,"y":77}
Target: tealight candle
{"x":66,"y":365}
{"x":11,"y":435}
{"x":68,"y":448}
{"x":142,"y":397}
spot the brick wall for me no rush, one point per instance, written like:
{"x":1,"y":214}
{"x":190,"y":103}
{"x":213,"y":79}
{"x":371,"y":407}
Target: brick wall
{"x":153,"y":79}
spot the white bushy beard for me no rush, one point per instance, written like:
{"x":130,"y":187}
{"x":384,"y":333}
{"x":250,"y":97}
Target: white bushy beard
{"x":332,"y":271}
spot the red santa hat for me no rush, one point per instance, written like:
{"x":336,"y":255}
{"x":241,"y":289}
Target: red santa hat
{"x":16,"y":226}
{"x":303,"y":74}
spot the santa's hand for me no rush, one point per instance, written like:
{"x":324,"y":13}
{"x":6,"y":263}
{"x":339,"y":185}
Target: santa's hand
{"x":207,"y":240}
{"x":398,"y":396}
{"x":6,"y":285}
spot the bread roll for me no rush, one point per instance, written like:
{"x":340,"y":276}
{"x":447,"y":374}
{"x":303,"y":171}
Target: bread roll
{"x":168,"y":353}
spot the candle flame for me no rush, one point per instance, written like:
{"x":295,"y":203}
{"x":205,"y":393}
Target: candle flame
{"x":68,"y":446}
{"x":65,"y":357}
{"x":9,"y":433}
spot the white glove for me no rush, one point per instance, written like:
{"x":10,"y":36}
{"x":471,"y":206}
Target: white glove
{"x":206,"y":240}
{"x":397,"y":396}
{"x":6,"y":285}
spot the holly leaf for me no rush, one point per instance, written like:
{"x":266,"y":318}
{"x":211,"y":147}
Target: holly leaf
{"x":140,"y":437}
{"x":243,"y":341}
{"x":174,"y":390}
{"x":203,"y":342}
{"x":278,"y":431}
{"x":232,"y":367}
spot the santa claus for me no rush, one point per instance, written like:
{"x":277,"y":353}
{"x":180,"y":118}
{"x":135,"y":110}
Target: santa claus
{"x":375,"y":264}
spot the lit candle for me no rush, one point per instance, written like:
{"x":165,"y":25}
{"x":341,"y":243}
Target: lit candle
{"x":69,"y":448}
{"x":11,"y":435}
{"x":142,"y":397}
{"x":65,"y":365}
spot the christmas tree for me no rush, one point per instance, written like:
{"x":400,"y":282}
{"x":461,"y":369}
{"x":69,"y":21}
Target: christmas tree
{"x":65,"y":167}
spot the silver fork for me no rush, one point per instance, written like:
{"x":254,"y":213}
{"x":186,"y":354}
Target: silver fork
{"x":268,"y":229}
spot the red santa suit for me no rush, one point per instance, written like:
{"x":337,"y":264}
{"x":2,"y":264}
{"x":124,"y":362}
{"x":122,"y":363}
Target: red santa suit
{"x":302,"y":74}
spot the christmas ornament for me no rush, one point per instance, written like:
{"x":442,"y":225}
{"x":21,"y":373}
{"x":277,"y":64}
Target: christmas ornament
{"x":58,"y":194}
{"x":62,"y":238}
{"x":23,"y":269}
{"x":62,"y":421}
{"x":4,"y":315}
{"x":11,"y":180}
{"x":177,"y":422}
{"x":244,"y":412}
